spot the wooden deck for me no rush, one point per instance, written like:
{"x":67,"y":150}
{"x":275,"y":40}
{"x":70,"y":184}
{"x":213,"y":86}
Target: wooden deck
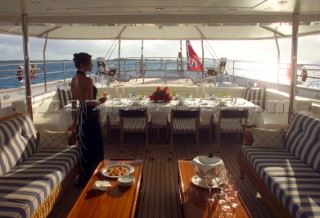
{"x":159,"y":195}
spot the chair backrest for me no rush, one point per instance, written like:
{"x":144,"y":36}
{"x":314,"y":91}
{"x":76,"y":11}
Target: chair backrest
{"x":133,"y":112}
{"x":222,"y":64}
{"x":233,"y":113}
{"x":257,"y":95}
{"x":185,"y":113}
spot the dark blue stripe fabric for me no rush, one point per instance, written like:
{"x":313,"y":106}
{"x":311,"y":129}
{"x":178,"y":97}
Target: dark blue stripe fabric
{"x":27,"y":185}
{"x":293,"y":182}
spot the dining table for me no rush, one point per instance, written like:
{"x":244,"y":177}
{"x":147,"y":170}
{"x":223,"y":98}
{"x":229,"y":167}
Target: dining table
{"x":159,"y":110}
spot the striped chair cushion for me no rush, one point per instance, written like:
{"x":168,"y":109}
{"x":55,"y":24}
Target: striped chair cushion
{"x":293,"y":182}
{"x":303,"y":138}
{"x":231,"y":126}
{"x":23,"y":189}
{"x":134,"y":124}
{"x":64,"y":95}
{"x":18,"y":142}
{"x":184,"y":125}
{"x":256,"y":95}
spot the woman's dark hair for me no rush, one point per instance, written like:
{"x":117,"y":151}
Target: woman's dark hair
{"x":81,"y":58}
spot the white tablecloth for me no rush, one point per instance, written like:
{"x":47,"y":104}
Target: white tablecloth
{"x":159,"y":111}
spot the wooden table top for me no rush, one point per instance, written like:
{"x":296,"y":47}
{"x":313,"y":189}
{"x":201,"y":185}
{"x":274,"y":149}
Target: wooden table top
{"x":117,"y":201}
{"x":194,"y":199}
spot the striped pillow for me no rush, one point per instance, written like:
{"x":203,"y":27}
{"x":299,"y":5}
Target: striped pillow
{"x":18,"y":142}
{"x":64,"y":95}
{"x":256,"y":95}
{"x":303,"y":138}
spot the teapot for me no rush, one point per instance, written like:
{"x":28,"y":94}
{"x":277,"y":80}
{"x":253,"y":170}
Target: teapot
{"x":204,"y":165}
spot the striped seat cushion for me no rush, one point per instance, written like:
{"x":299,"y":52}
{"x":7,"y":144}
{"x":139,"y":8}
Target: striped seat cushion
{"x":303,"y":138}
{"x":23,"y":189}
{"x":293,"y":182}
{"x":17,"y":142}
{"x":64,"y":95}
{"x":184,"y":125}
{"x":255,"y":95}
{"x":231,"y":126}
{"x":134,"y":124}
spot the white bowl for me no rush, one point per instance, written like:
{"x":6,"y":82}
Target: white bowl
{"x":101,"y":185}
{"x":127,"y":180}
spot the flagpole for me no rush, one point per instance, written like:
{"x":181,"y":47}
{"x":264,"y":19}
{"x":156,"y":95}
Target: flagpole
{"x":202,"y":58}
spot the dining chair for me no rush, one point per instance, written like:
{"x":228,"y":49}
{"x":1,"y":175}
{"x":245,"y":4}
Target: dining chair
{"x":134,"y":120}
{"x":184,"y":121}
{"x":231,"y":120}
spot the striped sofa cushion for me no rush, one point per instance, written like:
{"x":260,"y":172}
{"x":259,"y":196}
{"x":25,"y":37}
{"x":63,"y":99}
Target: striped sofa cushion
{"x":64,"y":95}
{"x":17,"y":142}
{"x":303,"y":138}
{"x":184,"y":125}
{"x":23,"y":189}
{"x":256,"y":95}
{"x":293,"y":182}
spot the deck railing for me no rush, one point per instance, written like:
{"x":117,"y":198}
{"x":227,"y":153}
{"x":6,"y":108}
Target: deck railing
{"x":157,"y":67}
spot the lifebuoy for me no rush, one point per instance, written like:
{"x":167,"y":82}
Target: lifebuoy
{"x":19,"y":73}
{"x":304,"y":74}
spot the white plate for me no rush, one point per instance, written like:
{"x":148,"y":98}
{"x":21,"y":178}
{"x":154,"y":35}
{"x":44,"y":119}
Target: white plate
{"x":197,"y":181}
{"x":101,"y":185}
{"x":129,"y":169}
{"x":117,"y":103}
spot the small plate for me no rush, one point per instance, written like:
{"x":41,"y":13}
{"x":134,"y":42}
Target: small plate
{"x":197,"y":181}
{"x":101,"y":185}
{"x":127,"y":180}
{"x":116,"y":170}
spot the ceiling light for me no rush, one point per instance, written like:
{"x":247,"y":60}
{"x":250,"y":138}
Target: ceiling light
{"x":86,"y":10}
{"x":232,"y":9}
{"x":35,"y":3}
{"x":282,"y":2}
{"x":160,"y":9}
{"x":268,"y":9}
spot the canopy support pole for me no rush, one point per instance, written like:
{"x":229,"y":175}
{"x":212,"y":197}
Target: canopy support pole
{"x":142,"y":63}
{"x":45,"y":63}
{"x":202,"y":49}
{"x":278,"y":59}
{"x":25,"y":36}
{"x":294,"y":49}
{"x":119,"y":55}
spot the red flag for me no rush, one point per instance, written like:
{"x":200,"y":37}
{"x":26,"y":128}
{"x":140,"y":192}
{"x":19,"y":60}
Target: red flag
{"x":194,"y":60}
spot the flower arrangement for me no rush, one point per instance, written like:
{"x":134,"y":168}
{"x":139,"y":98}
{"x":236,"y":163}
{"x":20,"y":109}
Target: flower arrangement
{"x":161,"y":95}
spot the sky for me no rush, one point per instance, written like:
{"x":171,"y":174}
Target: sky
{"x":256,"y":50}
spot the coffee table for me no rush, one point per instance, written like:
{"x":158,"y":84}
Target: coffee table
{"x":194,"y":198}
{"x":117,"y":201}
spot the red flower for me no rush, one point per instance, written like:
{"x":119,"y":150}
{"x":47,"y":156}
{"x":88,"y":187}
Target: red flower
{"x":161,"y":95}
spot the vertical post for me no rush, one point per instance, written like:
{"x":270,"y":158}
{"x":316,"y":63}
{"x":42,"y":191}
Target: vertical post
{"x":278,"y":59}
{"x":294,"y":49}
{"x":25,"y":35}
{"x":202,"y":58}
{"x":119,"y":55}
{"x":45,"y":63}
{"x":141,"y":62}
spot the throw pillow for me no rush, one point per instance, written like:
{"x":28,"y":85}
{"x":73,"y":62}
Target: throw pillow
{"x":53,"y":139}
{"x":268,"y":138}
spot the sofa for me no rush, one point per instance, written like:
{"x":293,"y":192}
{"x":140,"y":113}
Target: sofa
{"x":33,"y":174}
{"x":287,"y":173}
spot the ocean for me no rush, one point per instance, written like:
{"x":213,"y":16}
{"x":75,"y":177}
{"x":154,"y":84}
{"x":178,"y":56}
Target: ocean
{"x":58,"y":70}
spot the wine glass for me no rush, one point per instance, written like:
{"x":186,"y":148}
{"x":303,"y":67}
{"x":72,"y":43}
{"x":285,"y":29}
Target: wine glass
{"x":210,"y":180}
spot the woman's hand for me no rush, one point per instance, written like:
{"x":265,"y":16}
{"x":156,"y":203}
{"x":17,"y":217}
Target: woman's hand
{"x":72,"y":128}
{"x":102,"y":100}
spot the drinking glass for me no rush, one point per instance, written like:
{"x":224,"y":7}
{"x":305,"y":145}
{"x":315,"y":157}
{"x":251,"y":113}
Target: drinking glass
{"x":210,"y":183}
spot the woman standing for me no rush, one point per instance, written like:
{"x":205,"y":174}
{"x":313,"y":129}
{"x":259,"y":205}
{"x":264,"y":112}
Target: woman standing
{"x":86,"y":120}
